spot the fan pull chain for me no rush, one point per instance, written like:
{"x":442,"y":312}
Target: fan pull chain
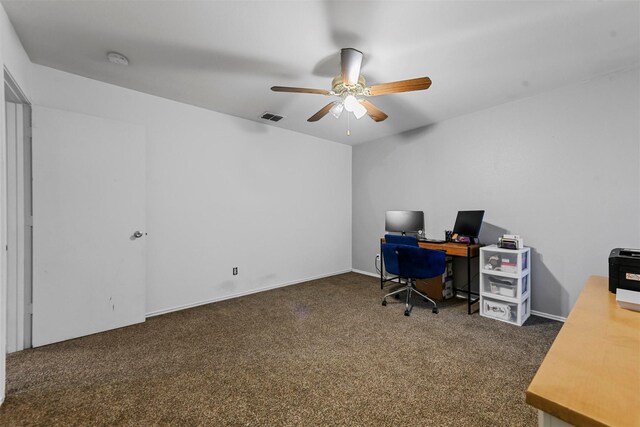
{"x":348,"y":128}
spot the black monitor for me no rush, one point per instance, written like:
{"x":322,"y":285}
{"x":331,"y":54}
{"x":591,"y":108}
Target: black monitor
{"x":468,"y":223}
{"x":404,"y":221}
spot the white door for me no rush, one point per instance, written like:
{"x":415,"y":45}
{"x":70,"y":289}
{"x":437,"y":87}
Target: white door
{"x":88,"y":207}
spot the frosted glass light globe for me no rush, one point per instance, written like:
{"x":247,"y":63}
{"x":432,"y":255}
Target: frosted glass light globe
{"x":351,"y":103}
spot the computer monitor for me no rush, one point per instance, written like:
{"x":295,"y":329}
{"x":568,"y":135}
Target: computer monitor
{"x":404,"y":221}
{"x":468,"y":223}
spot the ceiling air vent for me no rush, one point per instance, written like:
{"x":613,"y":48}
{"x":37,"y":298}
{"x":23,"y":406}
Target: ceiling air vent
{"x":272,"y":117}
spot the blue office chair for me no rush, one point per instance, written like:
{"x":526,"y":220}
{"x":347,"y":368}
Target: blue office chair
{"x":391,"y":261}
{"x":403,"y":258}
{"x":396,"y":239}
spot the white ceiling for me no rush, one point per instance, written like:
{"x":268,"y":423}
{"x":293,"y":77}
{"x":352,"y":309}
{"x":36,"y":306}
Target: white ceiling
{"x":225,"y":55}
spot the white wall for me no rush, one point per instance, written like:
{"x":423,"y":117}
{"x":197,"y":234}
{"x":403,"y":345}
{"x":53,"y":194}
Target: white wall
{"x":16,"y":61}
{"x":223,"y":192}
{"x":560,"y":169}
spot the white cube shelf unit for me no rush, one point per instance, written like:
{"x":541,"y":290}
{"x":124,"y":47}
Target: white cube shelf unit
{"x":505,"y":284}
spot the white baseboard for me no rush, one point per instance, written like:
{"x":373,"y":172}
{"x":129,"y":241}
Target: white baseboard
{"x":366,"y":273}
{"x":548,"y":316}
{"x":241,"y":294}
{"x":295,"y":282}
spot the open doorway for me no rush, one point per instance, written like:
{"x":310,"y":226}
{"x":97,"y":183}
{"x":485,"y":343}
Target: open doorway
{"x":19,"y":217}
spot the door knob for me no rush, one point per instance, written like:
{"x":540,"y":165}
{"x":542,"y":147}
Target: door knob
{"x":137,"y":234}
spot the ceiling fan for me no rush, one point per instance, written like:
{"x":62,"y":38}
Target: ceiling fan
{"x":350,"y":86}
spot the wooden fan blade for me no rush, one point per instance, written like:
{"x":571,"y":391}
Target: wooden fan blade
{"x":351,"y":62}
{"x":299,"y":90}
{"x":373,"y":111}
{"x":421,"y":83}
{"x":320,"y":114}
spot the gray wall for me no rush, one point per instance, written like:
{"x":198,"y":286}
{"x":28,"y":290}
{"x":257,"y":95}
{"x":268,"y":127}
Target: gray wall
{"x":560,"y":169}
{"x":223,"y":192}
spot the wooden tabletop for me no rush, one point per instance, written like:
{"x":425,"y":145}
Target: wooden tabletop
{"x":591,"y":374}
{"x":451,"y":248}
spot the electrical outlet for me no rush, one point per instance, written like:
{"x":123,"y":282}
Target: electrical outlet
{"x":235,"y":271}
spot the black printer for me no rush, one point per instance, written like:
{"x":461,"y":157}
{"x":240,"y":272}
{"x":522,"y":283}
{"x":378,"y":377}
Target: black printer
{"x":624,"y":269}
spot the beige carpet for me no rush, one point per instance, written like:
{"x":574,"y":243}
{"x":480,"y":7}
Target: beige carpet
{"x":324,"y":352}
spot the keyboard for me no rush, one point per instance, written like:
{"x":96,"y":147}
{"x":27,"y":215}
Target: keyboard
{"x":432,"y":240}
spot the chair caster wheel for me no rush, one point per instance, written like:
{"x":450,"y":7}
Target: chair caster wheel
{"x":435,"y":310}
{"x":384,"y":302}
{"x":406,"y":312}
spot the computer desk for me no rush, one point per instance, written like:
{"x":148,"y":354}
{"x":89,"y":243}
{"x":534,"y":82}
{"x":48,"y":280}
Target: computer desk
{"x":461,"y":250}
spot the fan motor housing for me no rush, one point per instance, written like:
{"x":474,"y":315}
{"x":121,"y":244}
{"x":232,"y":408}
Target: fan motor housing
{"x":339,"y":88}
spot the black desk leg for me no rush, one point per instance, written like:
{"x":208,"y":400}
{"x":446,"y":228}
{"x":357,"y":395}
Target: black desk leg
{"x":468,"y":282}
{"x":381,"y":269}
{"x":470,"y":300}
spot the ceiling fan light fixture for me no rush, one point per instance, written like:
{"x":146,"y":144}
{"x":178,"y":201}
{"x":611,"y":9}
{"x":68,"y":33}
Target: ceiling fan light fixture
{"x":336,"y":110}
{"x":350,"y":103}
{"x":359,"y":111}
{"x":351,"y":85}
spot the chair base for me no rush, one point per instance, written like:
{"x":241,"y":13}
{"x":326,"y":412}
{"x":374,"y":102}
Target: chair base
{"x":409,"y":289}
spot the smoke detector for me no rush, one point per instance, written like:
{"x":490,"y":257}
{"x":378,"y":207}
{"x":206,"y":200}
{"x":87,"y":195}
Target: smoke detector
{"x":117,"y":58}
